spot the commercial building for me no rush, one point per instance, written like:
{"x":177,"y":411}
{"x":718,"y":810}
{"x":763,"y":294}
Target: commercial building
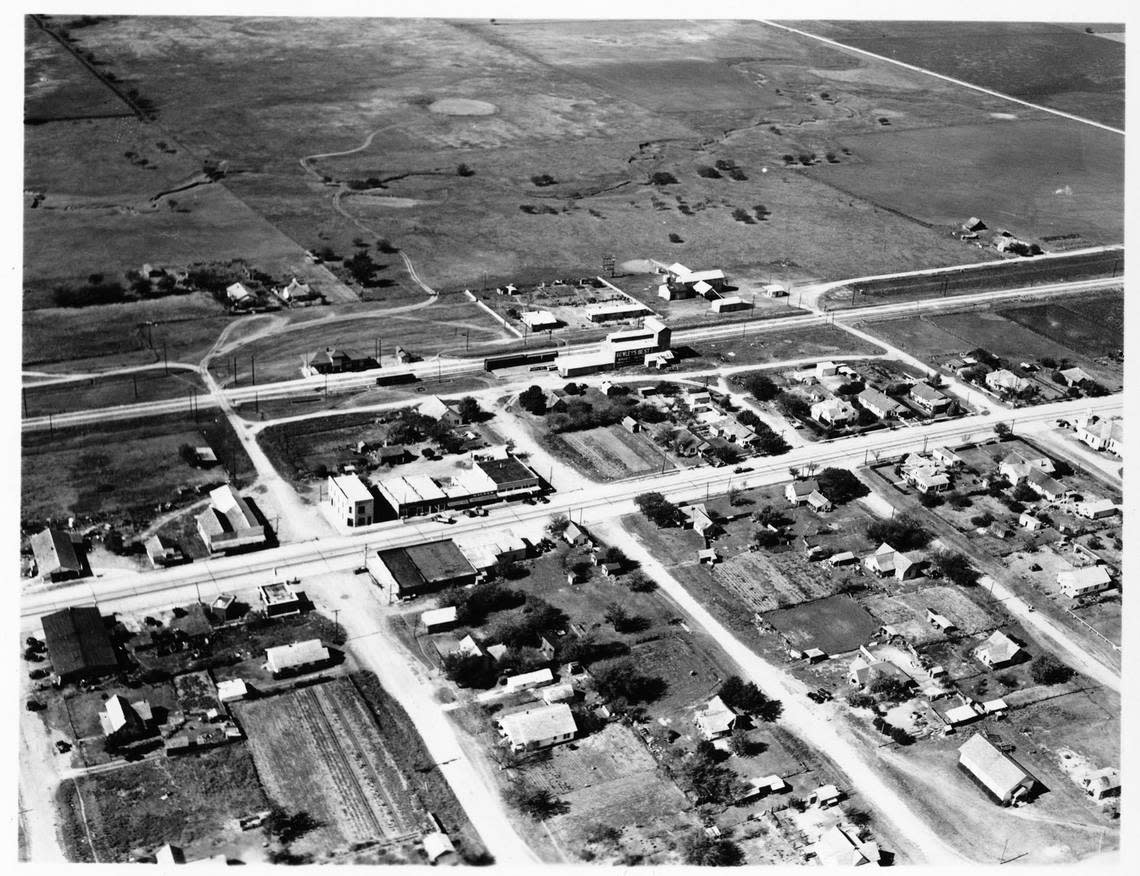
{"x":78,"y":644}
{"x":1002,"y":777}
{"x":229,"y":523}
{"x":412,"y":495}
{"x":511,"y":477}
{"x":351,"y":500}
{"x":540,"y":320}
{"x":55,"y":555}
{"x":729,"y":303}
{"x":421,"y":568}
{"x":615,"y":310}
{"x":628,"y":347}
{"x":279,"y":599}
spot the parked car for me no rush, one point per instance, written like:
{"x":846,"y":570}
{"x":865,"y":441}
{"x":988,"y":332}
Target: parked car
{"x":34,"y":706}
{"x":62,"y":747}
{"x":741,"y":469}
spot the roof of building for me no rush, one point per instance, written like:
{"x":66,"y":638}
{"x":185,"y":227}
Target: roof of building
{"x":837,"y":848}
{"x":557,"y":693}
{"x":930,"y":477}
{"x":77,"y":641}
{"x":352,"y":487}
{"x":446,"y":615}
{"x":842,"y":557}
{"x":436,"y":845}
{"x":803,"y":488}
{"x":506,"y":471}
{"x":436,"y":408}
{"x":428,"y":564}
{"x":296,"y":654}
{"x":411,"y":489}
{"x":997,"y":771}
{"x":232,"y":689}
{"x":872,"y":398}
{"x":715,"y":718}
{"x":998,"y":648}
{"x":962,"y":714}
{"x":54,"y":552}
{"x":927,"y":393}
{"x":233,"y":508}
{"x":1075,"y":375}
{"x":538,"y":724}
{"x":277,"y":592}
{"x":833,"y":407}
{"x":1048,"y":484}
{"x":611,"y":308}
{"x":702,"y":276}
{"x":530,"y":679}
{"x":1088,"y":576}
{"x":117,"y":714}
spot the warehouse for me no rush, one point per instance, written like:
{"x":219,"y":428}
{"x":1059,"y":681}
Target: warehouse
{"x":78,"y":644}
{"x":421,"y":568}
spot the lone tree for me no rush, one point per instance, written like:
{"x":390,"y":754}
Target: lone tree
{"x":620,"y":679}
{"x":955,"y":567}
{"x":657,"y":509}
{"x":469,"y":409}
{"x":903,"y":533}
{"x":533,"y":399}
{"x":1047,"y":669}
{"x":538,"y":803}
{"x":747,"y":697}
{"x":839,"y":485}
{"x":762,"y":387}
{"x":705,"y":851}
{"x":558,"y":524}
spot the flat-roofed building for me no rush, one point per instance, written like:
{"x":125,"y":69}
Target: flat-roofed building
{"x":422,"y":568}
{"x":615,"y":310}
{"x":437,"y":619}
{"x":55,"y":555}
{"x":351,"y":500}
{"x":632,"y":345}
{"x":78,"y":644}
{"x":229,"y":524}
{"x":412,"y":495}
{"x":279,"y":599}
{"x":510,"y":476}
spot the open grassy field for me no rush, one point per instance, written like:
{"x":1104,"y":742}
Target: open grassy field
{"x":58,"y":86}
{"x":123,"y":469}
{"x":762,"y":347}
{"x":1036,"y":178}
{"x":612,"y":452}
{"x":190,"y":801}
{"x":318,"y":750}
{"x":449,"y":326}
{"x":594,"y":114}
{"x":835,"y":625}
{"x":104,"y":392}
{"x":1056,"y":65}
{"x":1093,"y":326}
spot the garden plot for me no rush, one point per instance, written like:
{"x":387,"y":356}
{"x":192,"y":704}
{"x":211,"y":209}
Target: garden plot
{"x":766,"y":582}
{"x":834,"y":625}
{"x":906,"y":613}
{"x":614,"y":452}
{"x":319,"y":750}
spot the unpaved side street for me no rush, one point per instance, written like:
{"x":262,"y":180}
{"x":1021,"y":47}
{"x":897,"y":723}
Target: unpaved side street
{"x":797,"y":717}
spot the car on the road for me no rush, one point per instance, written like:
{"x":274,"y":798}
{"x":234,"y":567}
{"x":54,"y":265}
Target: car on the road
{"x":741,"y":469}
{"x":542,"y":500}
{"x":443,"y":518}
{"x":360,"y":570}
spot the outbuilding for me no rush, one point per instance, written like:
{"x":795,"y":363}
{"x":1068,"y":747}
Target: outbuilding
{"x":998,"y":774}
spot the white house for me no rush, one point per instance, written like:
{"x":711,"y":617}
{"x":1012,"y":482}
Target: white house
{"x":797,"y":492}
{"x":928,"y":398}
{"x":834,"y":412}
{"x":881,"y":405}
{"x":1015,"y":466}
{"x":1005,"y":381}
{"x":997,"y":651}
{"x":539,"y":727}
{"x":1102,"y":435}
{"x":716,"y":719}
{"x":887,"y":561}
{"x":1086,"y":581}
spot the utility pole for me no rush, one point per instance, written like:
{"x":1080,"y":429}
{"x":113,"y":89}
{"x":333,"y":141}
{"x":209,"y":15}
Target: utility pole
{"x":336,"y":621}
{"x":256,"y":409}
{"x":252,"y":372}
{"x":24,"y":396}
{"x":165,"y":365}
{"x":51,"y":429}
{"x":134,"y":383}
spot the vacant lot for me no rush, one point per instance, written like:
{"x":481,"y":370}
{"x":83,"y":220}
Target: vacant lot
{"x":906,"y":612}
{"x":1055,"y":65}
{"x":1094,"y":326}
{"x":190,"y":801}
{"x":769,"y":581}
{"x":318,"y":750}
{"x":834,"y":625}
{"x":124,"y":469}
{"x":612,"y":452}
{"x":762,"y":347}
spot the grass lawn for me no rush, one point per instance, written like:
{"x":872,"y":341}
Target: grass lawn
{"x":105,"y":392}
{"x":188,"y":801}
{"x":123,"y":470}
{"x":835,"y":625}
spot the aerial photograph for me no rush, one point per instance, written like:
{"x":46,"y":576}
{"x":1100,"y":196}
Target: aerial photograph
{"x":472,"y":441}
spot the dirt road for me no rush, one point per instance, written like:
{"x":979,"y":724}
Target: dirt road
{"x":798,"y":717}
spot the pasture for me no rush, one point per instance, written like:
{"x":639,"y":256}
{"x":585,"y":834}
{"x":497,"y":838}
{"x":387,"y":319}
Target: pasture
{"x":835,"y":625}
{"x":319,"y":750}
{"x":612,"y":452}
{"x":1037,"y":178}
{"x":1055,"y":65}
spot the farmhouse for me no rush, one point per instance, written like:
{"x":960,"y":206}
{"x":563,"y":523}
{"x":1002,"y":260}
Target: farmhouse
{"x":797,"y":492}
{"x":1029,"y":521}
{"x":998,"y":651}
{"x":229,"y":523}
{"x":351,"y":500}
{"x":422,"y":568}
{"x":887,"y":561}
{"x":279,"y":599}
{"x":1005,"y":381}
{"x":297,"y":293}
{"x":715,"y":719}
{"x":438,"y":409}
{"x":239,"y":295}
{"x":1102,"y":784}
{"x":834,"y":412}
{"x":163,"y":551}
{"x":55,"y":556}
{"x":1076,"y":583}
{"x":882,"y":406}
{"x":540,"y":727}
{"x":122,"y":721}
{"x":78,"y":644}
{"x":1002,"y":777}
{"x":1074,"y":376}
{"x":296,"y":657}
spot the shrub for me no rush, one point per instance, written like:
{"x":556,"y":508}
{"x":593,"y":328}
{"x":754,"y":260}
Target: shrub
{"x":708,"y":172}
{"x":675,"y":238}
{"x":464,"y":170}
{"x":840,"y":485}
{"x":955,"y":567}
{"x":657,"y":509}
{"x":903,"y":533}
{"x":1047,"y":669}
{"x":621,"y":679}
{"x":531,"y":800}
{"x":860,"y":700}
{"x":639,"y":582}
{"x":543,"y":179}
{"x":931,"y":500}
{"x":742,"y":215}
{"x":747,"y":697}
{"x":761,"y":387}
{"x":663,"y":178}
{"x":701,"y":850}
{"x":889,"y":689}
{"x":982,"y":520}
